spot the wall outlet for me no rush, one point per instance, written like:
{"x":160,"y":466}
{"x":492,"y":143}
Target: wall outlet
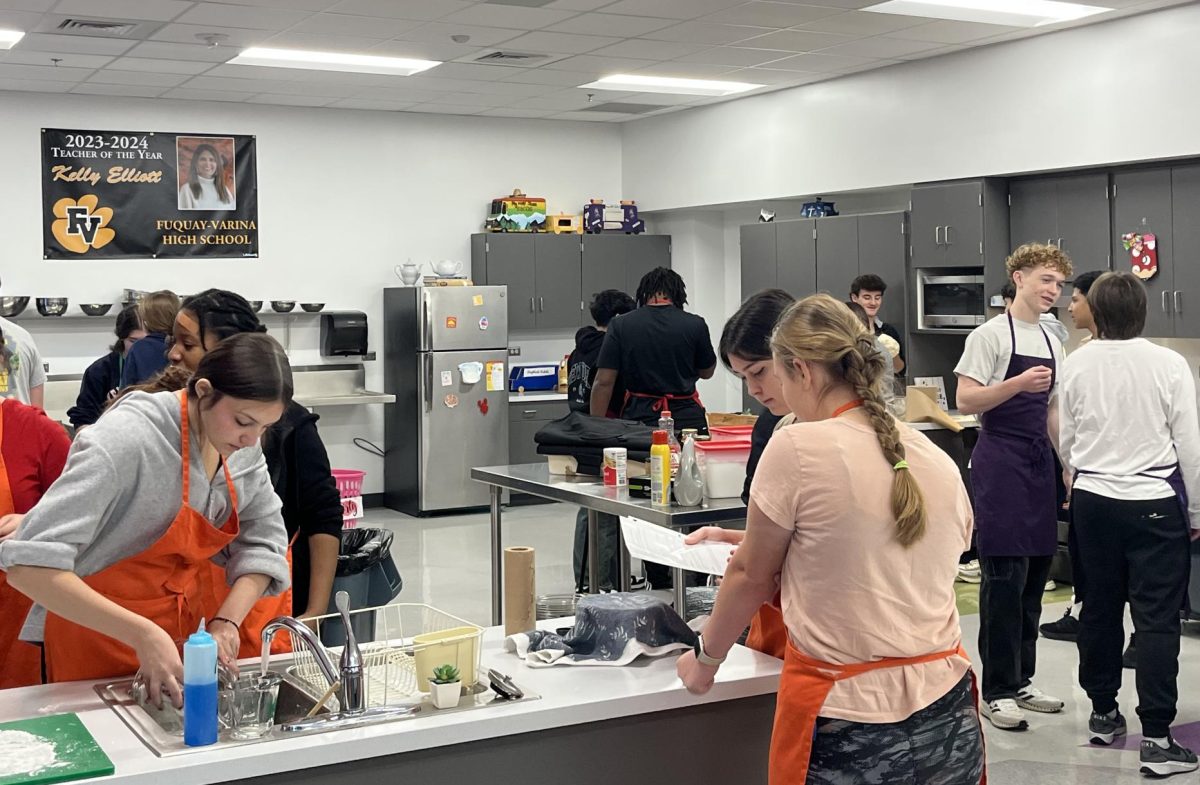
{"x":514,"y":351}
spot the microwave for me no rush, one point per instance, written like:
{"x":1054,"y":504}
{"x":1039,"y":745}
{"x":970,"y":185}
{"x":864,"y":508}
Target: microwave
{"x":948,"y":300}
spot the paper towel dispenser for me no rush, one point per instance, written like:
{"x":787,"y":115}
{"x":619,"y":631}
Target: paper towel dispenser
{"x":343,"y":333}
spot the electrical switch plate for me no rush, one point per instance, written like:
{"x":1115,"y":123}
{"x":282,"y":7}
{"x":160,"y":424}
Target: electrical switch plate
{"x":514,"y":351}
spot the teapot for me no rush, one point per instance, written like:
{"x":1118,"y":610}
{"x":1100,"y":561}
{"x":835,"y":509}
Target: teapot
{"x":409,"y":273}
{"x":447,"y":267}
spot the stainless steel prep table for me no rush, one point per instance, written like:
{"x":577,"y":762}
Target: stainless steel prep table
{"x":591,"y":494}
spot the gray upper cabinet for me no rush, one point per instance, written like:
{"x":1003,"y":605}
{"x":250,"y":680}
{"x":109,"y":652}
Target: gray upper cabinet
{"x":558,"y":277}
{"x":1070,"y":212}
{"x":796,"y":257}
{"x":927,"y":216}
{"x":603,"y":266}
{"x":1185,"y":232}
{"x":962,"y":233}
{"x":959,"y":224}
{"x":837,"y":255}
{"x":508,"y":259}
{"x":643,"y":253}
{"x":1139,"y":195}
{"x":882,"y":238}
{"x":1033,"y":211}
{"x":760,"y":266}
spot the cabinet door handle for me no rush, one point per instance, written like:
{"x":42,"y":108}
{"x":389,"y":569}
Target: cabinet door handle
{"x":529,"y":412}
{"x":531,"y":308}
{"x":937,"y":235}
{"x":947,"y":235}
{"x":1164,"y":302}
{"x":541,"y":303}
{"x":1178,"y":301}
{"x":1060,"y":245}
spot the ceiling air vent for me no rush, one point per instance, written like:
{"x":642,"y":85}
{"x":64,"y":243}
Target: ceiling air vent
{"x":104,"y":27}
{"x":511,"y":58}
{"x":625,"y":108}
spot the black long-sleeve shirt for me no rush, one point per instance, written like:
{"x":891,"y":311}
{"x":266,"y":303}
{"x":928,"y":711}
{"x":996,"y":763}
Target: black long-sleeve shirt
{"x":100,"y":378}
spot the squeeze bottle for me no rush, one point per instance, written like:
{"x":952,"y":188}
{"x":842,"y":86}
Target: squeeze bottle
{"x":660,"y":470}
{"x":200,"y":689}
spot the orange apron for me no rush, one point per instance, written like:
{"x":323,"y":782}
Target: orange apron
{"x":162,"y":583}
{"x":20,"y":662}
{"x":768,"y":633}
{"x":267,"y":608}
{"x":803,"y":688}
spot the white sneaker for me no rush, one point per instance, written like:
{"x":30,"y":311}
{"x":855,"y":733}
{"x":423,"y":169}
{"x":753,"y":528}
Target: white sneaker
{"x":1035,"y":700}
{"x":1051,"y":585}
{"x":1005,"y":714}
{"x":968,"y":573}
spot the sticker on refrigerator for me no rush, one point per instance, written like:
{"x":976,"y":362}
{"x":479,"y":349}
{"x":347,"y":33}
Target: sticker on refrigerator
{"x":482,"y":403}
{"x":450,"y":400}
{"x":470,"y":372}
{"x":483,"y":322}
{"x":477,"y":300}
{"x":495,"y":376}
{"x":451,"y":322}
{"x":447,"y":378}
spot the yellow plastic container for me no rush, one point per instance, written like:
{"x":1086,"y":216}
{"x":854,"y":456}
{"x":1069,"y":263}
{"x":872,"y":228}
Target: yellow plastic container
{"x":458,"y":646}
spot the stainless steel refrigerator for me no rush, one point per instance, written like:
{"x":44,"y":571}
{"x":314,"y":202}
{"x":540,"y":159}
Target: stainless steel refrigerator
{"x":445,"y":355}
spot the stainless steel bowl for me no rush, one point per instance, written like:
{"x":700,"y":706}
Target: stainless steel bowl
{"x":96,"y":309}
{"x":52,"y":306}
{"x":12,"y":306}
{"x":312,"y":307}
{"x":282,"y":306}
{"x":255,"y":305}
{"x":131,"y":296}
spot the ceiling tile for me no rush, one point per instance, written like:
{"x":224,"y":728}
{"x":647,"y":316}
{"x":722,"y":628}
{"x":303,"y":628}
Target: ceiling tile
{"x":686,"y":70}
{"x":19,"y":20}
{"x":401,"y":9}
{"x":938,"y":52}
{"x":873,"y":65}
{"x":365,"y":26}
{"x":593,"y":116}
{"x":67,"y":59}
{"x":242,"y":16}
{"x":590,"y":64}
{"x":186,"y":34}
{"x":560,"y":43}
{"x":34,"y":5}
{"x":509,"y":16}
{"x":159,"y":66}
{"x":844,"y":4}
{"x":84,"y":45}
{"x":518,"y":113}
{"x":863,"y":23}
{"x":229,"y":84}
{"x":479,"y":73}
{"x":442,"y":86}
{"x":439,"y":32}
{"x":141,"y":78}
{"x":426,"y":50}
{"x":474,"y":99}
{"x":650,"y":50}
{"x":367,"y":103}
{"x":706,"y":33}
{"x":796,"y":41}
{"x":545,"y":76}
{"x":820,"y":63}
{"x":611,"y":24}
{"x":447,"y":109}
{"x":524,"y":90}
{"x":133,"y":91}
{"x":563,"y":100}
{"x":34,"y":85}
{"x":290,"y":39}
{"x":188,"y":94}
{"x":261,"y":73}
{"x":734,"y":56}
{"x":771,"y":14}
{"x":952,"y":32}
{"x":773,"y":76}
{"x":157,"y":10}
{"x":159,"y":50}
{"x":46,"y":72}
{"x":293,"y":5}
{"x":397,"y":95}
{"x":670,"y":9}
{"x":289,"y":100}
{"x":881,"y":46}
{"x":578,"y":5}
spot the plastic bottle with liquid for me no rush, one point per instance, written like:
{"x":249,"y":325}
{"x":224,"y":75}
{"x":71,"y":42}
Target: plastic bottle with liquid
{"x":200,"y":689}
{"x":667,"y":423}
{"x":689,"y":484}
{"x":660,"y":470}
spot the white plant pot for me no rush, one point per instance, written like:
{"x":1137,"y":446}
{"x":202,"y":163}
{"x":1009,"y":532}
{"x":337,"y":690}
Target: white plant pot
{"x":445,"y":696}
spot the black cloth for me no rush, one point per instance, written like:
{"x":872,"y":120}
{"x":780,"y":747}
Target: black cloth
{"x":1142,"y":550}
{"x":583,"y":430}
{"x":581,"y":373}
{"x":300,"y":473}
{"x":145,"y":359}
{"x":764,"y":426}
{"x":1010,"y":609}
{"x":890,"y":330}
{"x":659,"y":350}
{"x":101,"y":377}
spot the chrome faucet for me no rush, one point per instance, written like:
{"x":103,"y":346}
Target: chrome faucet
{"x":352,"y":697}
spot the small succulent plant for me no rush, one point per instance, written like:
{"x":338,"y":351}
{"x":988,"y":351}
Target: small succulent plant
{"x":444,"y":674}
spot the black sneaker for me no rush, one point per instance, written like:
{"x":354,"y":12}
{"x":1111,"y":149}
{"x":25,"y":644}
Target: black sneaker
{"x":1157,"y":762}
{"x":1065,"y":629}
{"x":1103,"y":729}
{"x":1129,"y":658}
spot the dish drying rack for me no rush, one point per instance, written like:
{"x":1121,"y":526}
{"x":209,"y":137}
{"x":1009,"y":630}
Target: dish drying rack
{"x":389,"y":654}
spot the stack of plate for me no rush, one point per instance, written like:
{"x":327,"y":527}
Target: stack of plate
{"x":554,"y":606}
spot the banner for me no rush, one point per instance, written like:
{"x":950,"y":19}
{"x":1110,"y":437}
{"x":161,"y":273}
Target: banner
{"x":139,"y":195}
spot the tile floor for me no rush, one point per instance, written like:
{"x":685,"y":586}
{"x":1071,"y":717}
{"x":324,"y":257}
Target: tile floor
{"x":445,"y":562}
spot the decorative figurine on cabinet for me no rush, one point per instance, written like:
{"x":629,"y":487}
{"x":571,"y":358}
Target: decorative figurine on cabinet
{"x":597,"y":217}
{"x":564,"y":223}
{"x":517,"y":213}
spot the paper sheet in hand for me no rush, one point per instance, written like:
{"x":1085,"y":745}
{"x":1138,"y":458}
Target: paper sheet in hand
{"x":665,"y":546}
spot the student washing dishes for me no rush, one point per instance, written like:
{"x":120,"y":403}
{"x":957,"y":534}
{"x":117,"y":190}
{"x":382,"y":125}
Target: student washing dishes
{"x":843,"y":501}
{"x":1130,"y":433}
{"x":1008,"y":375}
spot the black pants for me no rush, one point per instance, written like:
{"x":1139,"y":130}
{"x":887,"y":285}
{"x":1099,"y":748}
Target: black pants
{"x":1010,"y":608}
{"x":1136,"y":552}
{"x":609,"y":546}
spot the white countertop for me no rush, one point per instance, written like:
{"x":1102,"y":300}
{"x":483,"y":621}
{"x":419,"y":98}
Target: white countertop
{"x":571,"y":695}
{"x":536,"y":397}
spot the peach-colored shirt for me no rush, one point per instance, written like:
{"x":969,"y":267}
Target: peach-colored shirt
{"x":851,"y":592}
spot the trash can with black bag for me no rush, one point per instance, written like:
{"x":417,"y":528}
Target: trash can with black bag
{"x":367,"y":572}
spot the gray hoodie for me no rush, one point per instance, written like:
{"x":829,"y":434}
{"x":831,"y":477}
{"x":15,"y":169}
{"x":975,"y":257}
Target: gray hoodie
{"x":122,"y":488}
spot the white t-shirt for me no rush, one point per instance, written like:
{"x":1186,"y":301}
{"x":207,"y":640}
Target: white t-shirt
{"x":1127,"y":406}
{"x":989,"y":349}
{"x":209,"y":199}
{"x":25,"y":371}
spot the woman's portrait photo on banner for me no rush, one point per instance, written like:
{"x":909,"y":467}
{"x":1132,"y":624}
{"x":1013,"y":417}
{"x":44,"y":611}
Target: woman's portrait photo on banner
{"x":205,"y":169}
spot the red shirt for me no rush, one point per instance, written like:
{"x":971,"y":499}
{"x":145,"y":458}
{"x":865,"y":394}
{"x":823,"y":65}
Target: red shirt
{"x":35,"y":449}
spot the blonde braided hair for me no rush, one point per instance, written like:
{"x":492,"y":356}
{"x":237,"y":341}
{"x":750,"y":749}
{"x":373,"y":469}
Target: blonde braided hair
{"x":822,"y":330}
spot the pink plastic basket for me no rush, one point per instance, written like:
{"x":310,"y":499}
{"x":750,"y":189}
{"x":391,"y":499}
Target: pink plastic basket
{"x":349,"y":485}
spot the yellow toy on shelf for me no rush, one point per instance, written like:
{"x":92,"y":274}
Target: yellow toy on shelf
{"x":564,"y":223}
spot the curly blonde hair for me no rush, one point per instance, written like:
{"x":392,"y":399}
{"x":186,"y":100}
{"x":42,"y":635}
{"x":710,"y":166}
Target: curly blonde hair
{"x":1032,"y":255}
{"x":823,"y":330}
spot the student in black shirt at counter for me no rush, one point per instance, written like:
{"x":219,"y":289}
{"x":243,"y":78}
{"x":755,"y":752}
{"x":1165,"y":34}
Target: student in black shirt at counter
{"x":102,"y":379}
{"x":660,"y":351}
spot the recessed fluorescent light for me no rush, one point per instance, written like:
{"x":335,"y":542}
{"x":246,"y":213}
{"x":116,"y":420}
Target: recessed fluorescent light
{"x":332,"y":61}
{"x":1016,"y":13}
{"x":10,"y":37}
{"x":668,"y":84}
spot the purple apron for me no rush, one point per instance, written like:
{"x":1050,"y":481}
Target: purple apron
{"x":1012,"y":468}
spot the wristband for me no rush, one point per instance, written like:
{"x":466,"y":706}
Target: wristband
{"x":227,"y":621}
{"x":702,"y":657}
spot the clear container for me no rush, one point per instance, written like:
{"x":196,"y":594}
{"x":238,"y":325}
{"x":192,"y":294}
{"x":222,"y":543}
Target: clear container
{"x":723,"y":464}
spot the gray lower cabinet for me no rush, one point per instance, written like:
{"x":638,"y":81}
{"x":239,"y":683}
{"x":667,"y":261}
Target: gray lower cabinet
{"x":524,"y":420}
{"x":1185,"y":231}
{"x":1142,"y":203}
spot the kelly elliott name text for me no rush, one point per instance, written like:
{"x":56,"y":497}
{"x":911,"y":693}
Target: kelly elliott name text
{"x":116,"y":174}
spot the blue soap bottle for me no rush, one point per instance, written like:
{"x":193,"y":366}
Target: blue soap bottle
{"x":200,"y":689}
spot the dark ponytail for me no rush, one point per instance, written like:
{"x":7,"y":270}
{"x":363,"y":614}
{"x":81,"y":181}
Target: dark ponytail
{"x":127,"y":322}
{"x":249,"y":367}
{"x":222,"y":313}
{"x":748,"y":332}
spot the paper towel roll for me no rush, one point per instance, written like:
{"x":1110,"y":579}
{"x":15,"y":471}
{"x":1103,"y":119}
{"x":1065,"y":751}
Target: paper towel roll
{"x":519,"y":614}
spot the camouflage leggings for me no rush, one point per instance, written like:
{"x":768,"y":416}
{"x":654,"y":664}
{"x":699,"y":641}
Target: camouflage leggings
{"x":939,"y":745}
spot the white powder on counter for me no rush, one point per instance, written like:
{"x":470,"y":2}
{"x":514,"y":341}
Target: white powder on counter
{"x":25,"y":753}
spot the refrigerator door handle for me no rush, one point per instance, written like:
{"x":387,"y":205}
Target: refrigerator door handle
{"x":426,"y":322}
{"x":427,"y":361}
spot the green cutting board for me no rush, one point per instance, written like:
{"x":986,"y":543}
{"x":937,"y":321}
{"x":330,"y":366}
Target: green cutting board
{"x":79,"y":756}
